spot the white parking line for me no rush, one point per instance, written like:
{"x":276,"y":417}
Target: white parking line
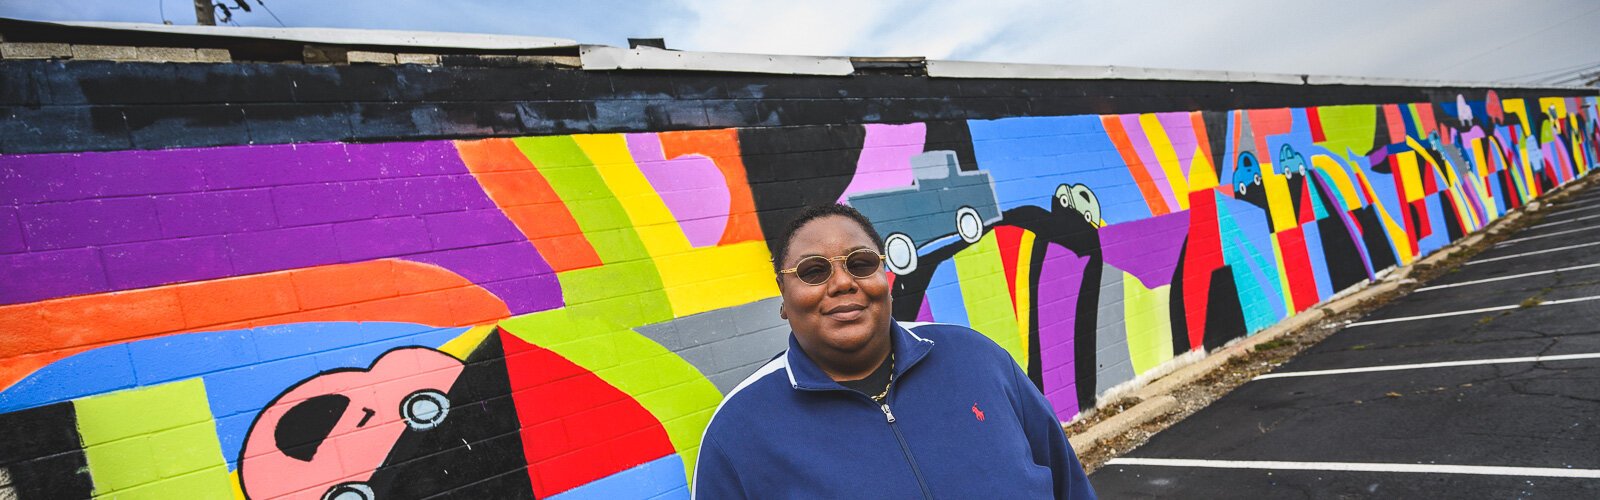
{"x":1514,"y":276}
{"x":1470,"y":311}
{"x":1535,"y":252}
{"x":1557,"y":223}
{"x":1441,"y":364}
{"x":1531,"y":238}
{"x":1362,"y":467}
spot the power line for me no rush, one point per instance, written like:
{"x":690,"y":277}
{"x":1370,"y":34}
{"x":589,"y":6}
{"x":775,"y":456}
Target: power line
{"x":1546,"y":73}
{"x":271,"y":13}
{"x":1521,"y":39}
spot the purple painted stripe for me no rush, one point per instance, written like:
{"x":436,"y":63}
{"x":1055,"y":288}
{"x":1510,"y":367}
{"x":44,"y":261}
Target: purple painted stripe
{"x":85,"y":223}
{"x":36,"y":276}
{"x":167,"y":261}
{"x":421,"y":194}
{"x":1146,"y":248}
{"x":1056,"y":301}
{"x":10,"y":231}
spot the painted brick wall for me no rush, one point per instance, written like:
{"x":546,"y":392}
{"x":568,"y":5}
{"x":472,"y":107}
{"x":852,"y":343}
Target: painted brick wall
{"x":280,"y":281}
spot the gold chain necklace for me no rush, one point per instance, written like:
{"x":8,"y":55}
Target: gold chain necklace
{"x":885,"y":393}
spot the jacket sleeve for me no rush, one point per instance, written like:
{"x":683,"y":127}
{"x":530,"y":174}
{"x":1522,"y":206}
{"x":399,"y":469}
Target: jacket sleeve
{"x":714,"y":475}
{"x":1048,"y":441}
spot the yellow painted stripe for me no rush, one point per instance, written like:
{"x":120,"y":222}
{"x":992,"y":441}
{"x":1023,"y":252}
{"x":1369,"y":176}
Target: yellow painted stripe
{"x":1162,"y":146}
{"x":741,"y":273}
{"x":1202,"y":176}
{"x":1024,"y":288}
{"x":1283,"y":276}
{"x":1405,"y":165}
{"x":1283,"y":214}
{"x":1341,"y":180}
{"x":463,"y":345}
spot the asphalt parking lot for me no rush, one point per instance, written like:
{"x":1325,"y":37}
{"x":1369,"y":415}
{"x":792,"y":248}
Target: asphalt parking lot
{"x":1485,"y":383}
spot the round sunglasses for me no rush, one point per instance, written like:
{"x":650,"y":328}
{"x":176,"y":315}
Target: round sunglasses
{"x":816,"y":269}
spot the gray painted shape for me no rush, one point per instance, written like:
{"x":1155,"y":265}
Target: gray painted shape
{"x":1112,"y":362}
{"x":727,"y":344}
{"x":939,"y":184}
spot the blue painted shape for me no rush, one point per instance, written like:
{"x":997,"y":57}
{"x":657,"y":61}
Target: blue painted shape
{"x":1028,"y":157}
{"x":154,"y":361}
{"x":659,"y":478}
{"x":93,"y":372}
{"x":944,"y":295}
{"x":1318,"y":259}
{"x":1248,"y":251}
{"x":1435,"y":215}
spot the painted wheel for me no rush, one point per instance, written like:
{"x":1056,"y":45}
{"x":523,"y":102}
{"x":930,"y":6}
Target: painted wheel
{"x":425,"y":409}
{"x":349,"y":491}
{"x":968,"y":224}
{"x":902,"y":253}
{"x":1064,"y":196}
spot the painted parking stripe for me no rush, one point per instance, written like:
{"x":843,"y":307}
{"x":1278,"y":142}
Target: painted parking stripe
{"x":1441,"y":364}
{"x":1514,"y":276}
{"x":1557,"y":233}
{"x":1535,"y":252}
{"x":1363,"y":467}
{"x":1560,"y":222}
{"x":1470,"y":311}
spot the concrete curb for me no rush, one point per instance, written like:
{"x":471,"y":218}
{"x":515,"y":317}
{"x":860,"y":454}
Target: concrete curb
{"x":1156,"y":397}
{"x":1128,"y":419}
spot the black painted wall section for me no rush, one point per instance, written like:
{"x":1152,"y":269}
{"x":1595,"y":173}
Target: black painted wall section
{"x":57,"y":106}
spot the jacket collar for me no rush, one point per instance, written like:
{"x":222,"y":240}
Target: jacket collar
{"x":806,"y":375}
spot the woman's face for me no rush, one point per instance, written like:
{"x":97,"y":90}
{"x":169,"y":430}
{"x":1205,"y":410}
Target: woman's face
{"x":835,"y":321}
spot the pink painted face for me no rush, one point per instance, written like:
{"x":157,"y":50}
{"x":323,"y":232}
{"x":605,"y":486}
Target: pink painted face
{"x":323,"y":439}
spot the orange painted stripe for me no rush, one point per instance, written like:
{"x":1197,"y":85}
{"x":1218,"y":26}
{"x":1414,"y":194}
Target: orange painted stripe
{"x":41,"y":333}
{"x":1130,"y":158}
{"x":526,"y":198}
{"x":722,"y":147}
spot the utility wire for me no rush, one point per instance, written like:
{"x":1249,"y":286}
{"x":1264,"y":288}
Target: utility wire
{"x":271,"y":13}
{"x":1546,"y":73}
{"x":1522,"y":38}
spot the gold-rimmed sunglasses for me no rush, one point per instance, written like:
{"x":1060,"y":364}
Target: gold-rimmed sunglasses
{"x":816,"y":269}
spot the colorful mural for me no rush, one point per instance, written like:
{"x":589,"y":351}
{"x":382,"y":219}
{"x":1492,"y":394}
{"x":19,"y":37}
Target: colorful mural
{"x":557,"y":316}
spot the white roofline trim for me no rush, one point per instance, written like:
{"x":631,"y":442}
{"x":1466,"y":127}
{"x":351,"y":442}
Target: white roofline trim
{"x":974,"y":69}
{"x":602,"y":57}
{"x":341,"y":36}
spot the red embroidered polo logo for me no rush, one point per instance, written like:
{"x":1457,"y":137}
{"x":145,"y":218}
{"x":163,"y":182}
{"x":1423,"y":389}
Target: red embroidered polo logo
{"x":976,"y":412}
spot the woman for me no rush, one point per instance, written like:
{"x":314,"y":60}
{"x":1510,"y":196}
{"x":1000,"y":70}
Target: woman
{"x":860,"y":406}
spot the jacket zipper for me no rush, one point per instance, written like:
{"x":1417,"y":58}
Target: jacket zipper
{"x":923,"y":483}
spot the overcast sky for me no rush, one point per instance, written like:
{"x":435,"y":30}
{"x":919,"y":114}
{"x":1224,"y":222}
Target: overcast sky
{"x":1473,"y":40}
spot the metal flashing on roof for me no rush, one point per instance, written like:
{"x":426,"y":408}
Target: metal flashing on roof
{"x":342,"y":36}
{"x":603,"y":57}
{"x":972,"y":69}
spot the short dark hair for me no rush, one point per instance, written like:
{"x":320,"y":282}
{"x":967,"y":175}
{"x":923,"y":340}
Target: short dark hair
{"x":815,"y":212}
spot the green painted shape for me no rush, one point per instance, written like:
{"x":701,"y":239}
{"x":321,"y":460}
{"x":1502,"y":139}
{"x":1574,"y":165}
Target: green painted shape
{"x":983,"y":292}
{"x":154,"y":442}
{"x":1149,"y":323}
{"x":1348,"y":128}
{"x":579,"y":185}
{"x":671,"y":389}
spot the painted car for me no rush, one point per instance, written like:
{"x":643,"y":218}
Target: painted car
{"x":1246,"y":173}
{"x":1079,"y":198}
{"x":943,"y":201}
{"x":322,"y":439}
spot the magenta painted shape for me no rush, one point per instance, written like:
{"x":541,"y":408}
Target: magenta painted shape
{"x":692,"y":186}
{"x":885,"y":161}
{"x":924,"y":313}
{"x":1180,"y":130}
{"x":1146,"y":248}
{"x":1056,"y":302}
{"x":1147,"y":158}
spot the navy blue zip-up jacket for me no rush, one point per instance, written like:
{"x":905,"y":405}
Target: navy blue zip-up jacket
{"x":961,"y":421}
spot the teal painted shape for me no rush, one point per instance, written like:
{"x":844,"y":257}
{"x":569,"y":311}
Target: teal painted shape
{"x":1255,"y":271}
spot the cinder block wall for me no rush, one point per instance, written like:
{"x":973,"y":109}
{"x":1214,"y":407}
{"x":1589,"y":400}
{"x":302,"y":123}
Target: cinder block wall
{"x":265,"y":280}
